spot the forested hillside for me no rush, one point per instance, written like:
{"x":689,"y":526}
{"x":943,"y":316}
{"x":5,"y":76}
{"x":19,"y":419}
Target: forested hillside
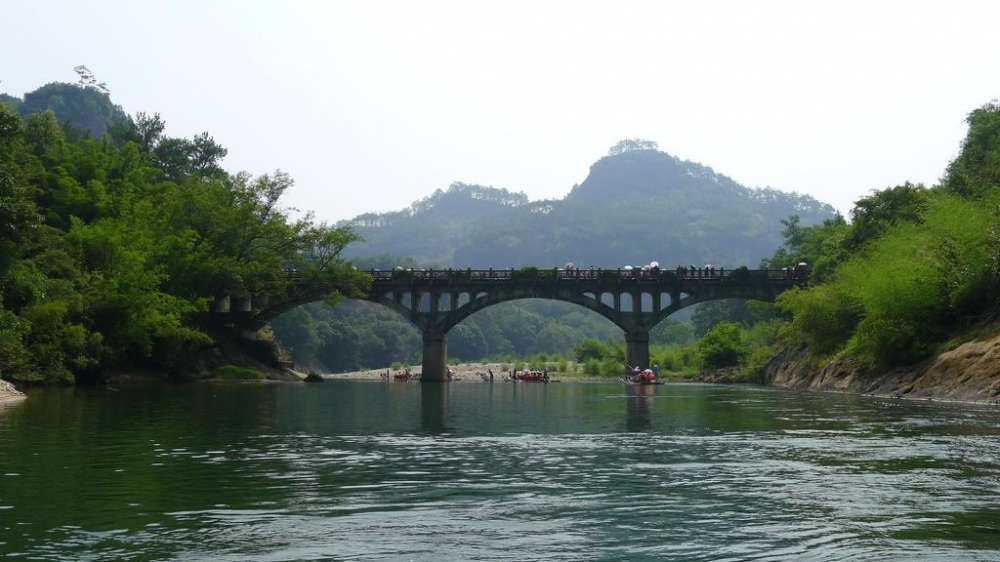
{"x":114,"y":249}
{"x":637,"y":205}
{"x":915,"y":272}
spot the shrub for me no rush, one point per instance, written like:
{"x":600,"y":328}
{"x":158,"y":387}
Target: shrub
{"x":723,"y":346}
{"x":236,"y":373}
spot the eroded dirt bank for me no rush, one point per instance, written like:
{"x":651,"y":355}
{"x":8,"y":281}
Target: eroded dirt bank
{"x":968,"y":373}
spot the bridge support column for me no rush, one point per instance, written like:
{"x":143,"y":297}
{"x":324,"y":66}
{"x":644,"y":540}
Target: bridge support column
{"x":637,"y":348}
{"x":435,"y":360}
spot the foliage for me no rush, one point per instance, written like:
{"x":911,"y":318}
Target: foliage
{"x":976,"y":170}
{"x":629,"y":145}
{"x":724,"y":346}
{"x":113,"y":252}
{"x":236,"y":373}
{"x":634,"y":207}
{"x":874,"y":215}
{"x":86,"y":108}
{"x":916,"y":266}
{"x":823,"y":317}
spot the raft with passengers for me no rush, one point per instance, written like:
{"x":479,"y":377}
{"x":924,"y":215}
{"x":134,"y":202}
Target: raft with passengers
{"x":641,"y":377}
{"x":528,"y":375}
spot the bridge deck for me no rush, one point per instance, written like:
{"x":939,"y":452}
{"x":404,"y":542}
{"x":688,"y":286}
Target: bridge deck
{"x":687,"y":273}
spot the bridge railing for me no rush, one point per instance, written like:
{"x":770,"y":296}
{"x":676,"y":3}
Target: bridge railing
{"x":798,"y":273}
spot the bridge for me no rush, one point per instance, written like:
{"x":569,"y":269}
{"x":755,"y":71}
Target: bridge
{"x":635,"y":300}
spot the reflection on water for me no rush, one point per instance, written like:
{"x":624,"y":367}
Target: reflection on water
{"x":434,"y":406}
{"x":428,"y":472}
{"x":639,"y":407}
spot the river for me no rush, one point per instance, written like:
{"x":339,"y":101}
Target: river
{"x":364,"y":470}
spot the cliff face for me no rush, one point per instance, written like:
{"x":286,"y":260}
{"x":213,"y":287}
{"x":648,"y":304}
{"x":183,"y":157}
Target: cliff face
{"x":968,"y":373}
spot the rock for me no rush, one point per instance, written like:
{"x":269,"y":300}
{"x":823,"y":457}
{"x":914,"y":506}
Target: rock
{"x":8,"y":392}
{"x":968,"y":373}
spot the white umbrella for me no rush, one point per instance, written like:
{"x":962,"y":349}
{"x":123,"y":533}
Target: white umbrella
{"x":627,"y":268}
{"x":654,"y":264}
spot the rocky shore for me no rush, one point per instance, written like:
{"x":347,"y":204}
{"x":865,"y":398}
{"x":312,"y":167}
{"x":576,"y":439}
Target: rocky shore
{"x":461,"y":372}
{"x":8,"y":392}
{"x":968,"y":373}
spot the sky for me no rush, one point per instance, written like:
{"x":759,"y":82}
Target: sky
{"x":370,"y":106}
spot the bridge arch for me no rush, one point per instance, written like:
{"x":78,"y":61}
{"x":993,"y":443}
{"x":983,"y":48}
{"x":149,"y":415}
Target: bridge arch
{"x":635,"y":302}
{"x":436,"y":301}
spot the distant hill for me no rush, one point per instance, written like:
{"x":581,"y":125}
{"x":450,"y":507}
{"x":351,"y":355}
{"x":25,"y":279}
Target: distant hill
{"x":87,"y":108}
{"x":634,"y":207}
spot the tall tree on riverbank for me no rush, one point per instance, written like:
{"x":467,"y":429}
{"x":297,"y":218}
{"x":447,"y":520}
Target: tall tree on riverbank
{"x":142,"y":234}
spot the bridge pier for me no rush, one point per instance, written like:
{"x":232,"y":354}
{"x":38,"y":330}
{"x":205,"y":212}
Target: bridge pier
{"x":637,"y":347}
{"x":435,"y":360}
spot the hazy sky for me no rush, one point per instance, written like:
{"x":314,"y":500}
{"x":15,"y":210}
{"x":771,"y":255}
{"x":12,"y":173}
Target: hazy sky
{"x":371,"y":105}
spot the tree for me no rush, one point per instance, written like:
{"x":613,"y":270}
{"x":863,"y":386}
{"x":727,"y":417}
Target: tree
{"x":873,"y":215}
{"x":976,"y":170}
{"x":632,"y":145}
{"x":87,"y":79}
{"x":18,"y":213}
{"x":88,"y":108}
{"x":43,"y":133}
{"x":589,"y":349}
{"x":206,"y":155}
{"x":724,"y":346}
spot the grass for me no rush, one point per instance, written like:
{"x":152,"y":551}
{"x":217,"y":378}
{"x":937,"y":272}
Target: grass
{"x":235,"y":373}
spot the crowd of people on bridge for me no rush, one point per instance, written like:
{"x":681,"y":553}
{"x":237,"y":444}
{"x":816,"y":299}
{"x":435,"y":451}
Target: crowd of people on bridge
{"x":570,"y":271}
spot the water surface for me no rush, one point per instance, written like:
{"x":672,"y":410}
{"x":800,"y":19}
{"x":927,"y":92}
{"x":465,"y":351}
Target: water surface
{"x":359,"y":470}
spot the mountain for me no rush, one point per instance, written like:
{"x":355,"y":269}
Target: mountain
{"x":87,"y":108}
{"x":635,"y":206}
{"x":430,"y":230}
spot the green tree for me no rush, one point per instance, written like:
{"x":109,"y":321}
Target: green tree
{"x":590,"y":349}
{"x":724,"y":346}
{"x":976,"y":170}
{"x":872,"y":216}
{"x":87,"y":108}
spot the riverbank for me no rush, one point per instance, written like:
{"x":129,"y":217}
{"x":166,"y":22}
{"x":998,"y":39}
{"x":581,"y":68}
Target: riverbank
{"x":8,"y":393}
{"x":463,"y":372}
{"x":967,"y":373}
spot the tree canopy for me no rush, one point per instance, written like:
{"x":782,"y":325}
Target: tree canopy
{"x":117,"y":248}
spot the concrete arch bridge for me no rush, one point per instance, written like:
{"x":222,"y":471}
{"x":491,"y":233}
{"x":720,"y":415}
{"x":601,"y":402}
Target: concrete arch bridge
{"x":634,"y":300}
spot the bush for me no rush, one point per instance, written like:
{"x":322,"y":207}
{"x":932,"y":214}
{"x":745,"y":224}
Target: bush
{"x":611,"y":367}
{"x":236,"y":373}
{"x":589,"y":349}
{"x":723,"y":346}
{"x":824,"y":318}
